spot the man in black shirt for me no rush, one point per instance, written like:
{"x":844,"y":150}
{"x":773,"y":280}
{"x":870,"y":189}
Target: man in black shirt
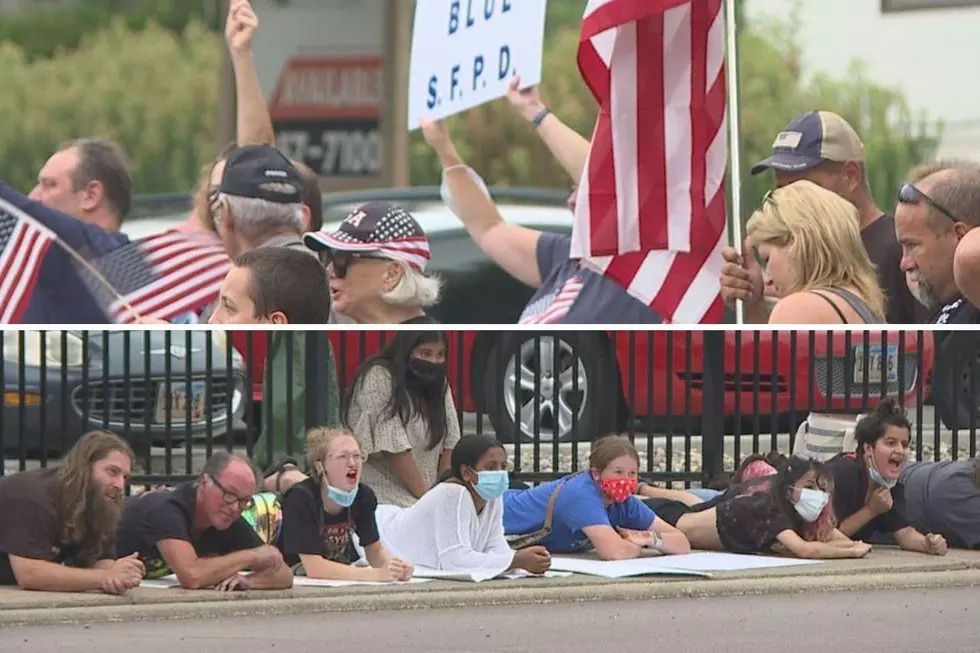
{"x":58,"y":525}
{"x":197,"y":532}
{"x":936,"y":209}
{"x":821,"y":147}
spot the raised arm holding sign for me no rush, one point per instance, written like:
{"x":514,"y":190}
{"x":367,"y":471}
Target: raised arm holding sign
{"x":465,"y":53}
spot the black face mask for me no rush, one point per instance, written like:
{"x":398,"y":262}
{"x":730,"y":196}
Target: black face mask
{"x":426,"y":374}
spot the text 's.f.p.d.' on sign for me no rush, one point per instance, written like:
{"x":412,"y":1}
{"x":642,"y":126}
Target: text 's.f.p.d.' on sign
{"x":465,"y":53}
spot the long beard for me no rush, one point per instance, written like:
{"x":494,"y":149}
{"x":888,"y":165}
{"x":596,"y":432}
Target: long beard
{"x":102,"y":516}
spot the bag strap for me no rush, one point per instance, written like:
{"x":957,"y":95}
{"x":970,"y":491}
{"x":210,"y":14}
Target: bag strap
{"x":549,"y":512}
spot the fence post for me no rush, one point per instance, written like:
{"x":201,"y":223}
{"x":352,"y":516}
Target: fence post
{"x":317,"y":378}
{"x":713,"y":406}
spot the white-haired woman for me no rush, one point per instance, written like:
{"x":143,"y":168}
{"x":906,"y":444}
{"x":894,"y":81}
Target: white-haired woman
{"x":376,"y":265}
{"x":807,"y":243}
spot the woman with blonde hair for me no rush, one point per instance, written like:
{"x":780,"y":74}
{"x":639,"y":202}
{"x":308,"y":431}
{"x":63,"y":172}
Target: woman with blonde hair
{"x":321,"y":513}
{"x":807,"y":241}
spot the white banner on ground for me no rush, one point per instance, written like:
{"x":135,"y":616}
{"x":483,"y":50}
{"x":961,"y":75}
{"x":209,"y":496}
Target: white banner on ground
{"x":691,"y":564}
{"x":479,"y":577}
{"x":169,"y":582}
{"x":465,"y":52}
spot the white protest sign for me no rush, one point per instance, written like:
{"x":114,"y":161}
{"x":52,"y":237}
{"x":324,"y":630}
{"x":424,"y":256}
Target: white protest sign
{"x":465,"y":53}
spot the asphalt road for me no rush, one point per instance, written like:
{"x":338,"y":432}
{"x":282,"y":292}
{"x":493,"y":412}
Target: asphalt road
{"x":910,"y":621}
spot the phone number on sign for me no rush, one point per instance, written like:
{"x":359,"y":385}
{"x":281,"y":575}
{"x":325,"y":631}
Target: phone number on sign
{"x":334,"y":152}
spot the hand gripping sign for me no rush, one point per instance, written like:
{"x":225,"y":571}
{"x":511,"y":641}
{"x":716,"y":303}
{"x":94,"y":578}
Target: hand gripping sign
{"x":465,"y":52}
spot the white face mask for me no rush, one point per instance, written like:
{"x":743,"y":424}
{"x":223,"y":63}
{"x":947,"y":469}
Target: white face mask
{"x":811,"y":503}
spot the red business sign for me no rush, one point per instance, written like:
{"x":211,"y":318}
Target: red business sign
{"x":326,"y":112}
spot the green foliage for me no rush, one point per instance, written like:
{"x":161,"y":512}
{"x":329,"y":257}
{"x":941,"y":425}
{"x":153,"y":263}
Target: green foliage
{"x":153,"y":91}
{"x":502,"y":147}
{"x":47,"y":30}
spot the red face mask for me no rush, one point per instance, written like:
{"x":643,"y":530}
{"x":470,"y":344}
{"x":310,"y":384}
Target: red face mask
{"x":619,"y":489}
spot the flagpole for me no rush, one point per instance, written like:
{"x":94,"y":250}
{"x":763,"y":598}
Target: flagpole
{"x":731,"y":69}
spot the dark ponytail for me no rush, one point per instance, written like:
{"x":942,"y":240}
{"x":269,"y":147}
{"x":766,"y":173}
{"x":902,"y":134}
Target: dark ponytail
{"x":872,"y":427}
{"x":467,"y":451}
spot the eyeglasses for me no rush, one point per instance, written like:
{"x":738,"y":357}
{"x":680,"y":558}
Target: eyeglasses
{"x":341,"y":261}
{"x":349,"y":456}
{"x":230,"y":498}
{"x":909,"y":194}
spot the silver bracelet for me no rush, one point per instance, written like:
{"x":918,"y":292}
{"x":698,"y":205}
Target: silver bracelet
{"x":658,"y":540}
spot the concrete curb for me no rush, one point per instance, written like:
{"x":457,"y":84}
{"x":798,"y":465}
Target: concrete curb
{"x":475,"y":596}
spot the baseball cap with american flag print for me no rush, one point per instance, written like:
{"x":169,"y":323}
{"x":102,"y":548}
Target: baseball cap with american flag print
{"x":380,"y":228}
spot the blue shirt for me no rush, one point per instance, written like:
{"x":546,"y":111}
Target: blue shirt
{"x":571,"y":294}
{"x":579,"y":505}
{"x":61,"y":296}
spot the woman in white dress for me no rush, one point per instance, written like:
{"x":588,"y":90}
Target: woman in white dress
{"x":458,"y":525}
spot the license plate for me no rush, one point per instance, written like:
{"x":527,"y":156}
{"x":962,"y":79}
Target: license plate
{"x":178,"y":399}
{"x":874,"y":361}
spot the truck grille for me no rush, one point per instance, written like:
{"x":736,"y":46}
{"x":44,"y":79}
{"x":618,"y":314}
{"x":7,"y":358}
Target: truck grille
{"x":109,"y":401}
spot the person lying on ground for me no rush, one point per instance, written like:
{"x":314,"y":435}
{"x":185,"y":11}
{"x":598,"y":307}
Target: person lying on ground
{"x":322,"y":513}
{"x":58,"y":524}
{"x":401,"y":409}
{"x":458,"y":525}
{"x":197,"y":532}
{"x":805,"y":243}
{"x":592,"y":509}
{"x":869,"y":499}
{"x":944,"y":498}
{"x":788,"y":514}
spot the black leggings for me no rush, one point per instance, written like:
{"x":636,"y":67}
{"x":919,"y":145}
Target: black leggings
{"x":668,"y":510}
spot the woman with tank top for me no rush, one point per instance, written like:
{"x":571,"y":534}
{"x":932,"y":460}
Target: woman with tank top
{"x":807,"y":242}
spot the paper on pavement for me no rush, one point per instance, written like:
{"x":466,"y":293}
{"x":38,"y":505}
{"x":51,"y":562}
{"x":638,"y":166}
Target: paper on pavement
{"x":718,"y":561}
{"x":168,"y":582}
{"x":691,"y":564}
{"x":480,"y":576}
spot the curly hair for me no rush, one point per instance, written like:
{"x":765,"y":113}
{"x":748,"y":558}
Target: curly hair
{"x":84,"y":523}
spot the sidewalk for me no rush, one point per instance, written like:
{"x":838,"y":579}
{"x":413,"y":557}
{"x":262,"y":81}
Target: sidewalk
{"x":883,"y":569}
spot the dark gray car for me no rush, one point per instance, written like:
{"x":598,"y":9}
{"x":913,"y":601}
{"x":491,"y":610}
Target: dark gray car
{"x":148,"y":386}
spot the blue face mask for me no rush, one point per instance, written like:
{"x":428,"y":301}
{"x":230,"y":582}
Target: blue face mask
{"x":878,"y":479}
{"x":492,"y":484}
{"x":342,"y":498}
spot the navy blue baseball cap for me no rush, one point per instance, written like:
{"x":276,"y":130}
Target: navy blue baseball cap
{"x":810,"y":139}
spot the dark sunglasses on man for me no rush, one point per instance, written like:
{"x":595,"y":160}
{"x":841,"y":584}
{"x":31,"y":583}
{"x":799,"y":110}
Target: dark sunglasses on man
{"x":909,"y":194}
{"x":341,"y":261}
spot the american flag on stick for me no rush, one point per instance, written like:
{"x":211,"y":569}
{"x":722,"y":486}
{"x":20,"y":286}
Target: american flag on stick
{"x":24,"y":242}
{"x":651,"y":203}
{"x":160,"y":276}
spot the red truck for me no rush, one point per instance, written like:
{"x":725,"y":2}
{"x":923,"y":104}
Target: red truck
{"x":598,"y":375}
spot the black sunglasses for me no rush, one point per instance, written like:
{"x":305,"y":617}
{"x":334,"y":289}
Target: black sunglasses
{"x":341,"y":261}
{"x":909,"y":194}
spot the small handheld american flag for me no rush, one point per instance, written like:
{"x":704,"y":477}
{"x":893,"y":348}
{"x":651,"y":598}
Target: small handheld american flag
{"x":160,"y":276}
{"x":24,"y":242}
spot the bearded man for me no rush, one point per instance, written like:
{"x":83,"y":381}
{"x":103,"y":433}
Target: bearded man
{"x":58,"y":525}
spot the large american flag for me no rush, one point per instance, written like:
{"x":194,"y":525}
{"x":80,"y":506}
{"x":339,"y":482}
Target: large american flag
{"x":651,"y":203}
{"x":160,"y":276}
{"x":24,"y":242}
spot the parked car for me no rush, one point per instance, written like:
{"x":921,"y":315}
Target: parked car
{"x":149,"y":386}
{"x":600,"y":381}
{"x":475,"y":289}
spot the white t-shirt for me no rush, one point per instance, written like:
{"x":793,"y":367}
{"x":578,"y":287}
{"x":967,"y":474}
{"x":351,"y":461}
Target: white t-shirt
{"x":442,"y":531}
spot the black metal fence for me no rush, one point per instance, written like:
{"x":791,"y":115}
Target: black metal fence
{"x":695,"y":403}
